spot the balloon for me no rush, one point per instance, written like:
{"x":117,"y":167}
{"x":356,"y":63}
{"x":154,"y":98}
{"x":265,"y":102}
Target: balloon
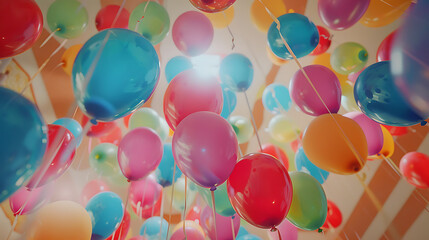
{"x":242,"y":232}
{"x":388,"y":146}
{"x":192,"y":33}
{"x":25,"y":201}
{"x":352,"y":77}
{"x":179,"y":195}
{"x":108,"y":17}
{"x":114,"y":136}
{"x":299,"y":32}
{"x":378,"y":97}
{"x":236,"y":72}
{"x":309,"y":207}
{"x":324,"y":41}
{"x":260,"y":16}
{"x":122,"y":231}
{"x":139,"y":153}
{"x":340,"y":15}
{"x":243,"y":128}
{"x":151,"y":20}
{"x":348,"y":99}
{"x":58,"y":157}
{"x":175,"y":66}
{"x":193,"y":231}
{"x":194,"y":214}
{"x":346,"y":150}
{"x":138,"y":238}
{"x":165,"y":169}
{"x":249,"y":237}
{"x":67,"y":18}
{"x":276,"y":152}
{"x":349,"y":57}
{"x":27,"y":26}
{"x":73,"y":126}
{"x":324,"y":59}
{"x":282,"y":129}
{"x":91,"y":189}
{"x":64,"y":220}
{"x":276,"y":98}
{"x":145,"y":117}
{"x":380,"y":13}
{"x":144,"y":194}
{"x":104,"y":160}
{"x":99,"y":129}
{"x":287,"y":231}
{"x":212,"y":6}
{"x":326,"y":84}
{"x":222,"y":204}
{"x":414,"y":167}
{"x":257,"y":175}
{"x":295,"y":144}
{"x":396,"y":131}
{"x":68,"y":57}
{"x":23,"y":141}
{"x":274,"y":59}
{"x":229,"y":102}
{"x":151,"y":228}
{"x":126,"y":72}
{"x":384,"y":50}
{"x":221,"y":19}
{"x":334,"y":217}
{"x":303,"y":164}
{"x":106,"y":211}
{"x":189,"y":93}
{"x":223,"y":228}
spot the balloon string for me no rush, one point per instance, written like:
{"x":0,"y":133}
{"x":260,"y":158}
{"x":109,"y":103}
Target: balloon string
{"x":370,"y":193}
{"x":425,"y":201}
{"x":416,"y":132}
{"x":214,"y":212}
{"x":278,"y":232}
{"x":253,"y":121}
{"x":138,"y":21}
{"x":401,"y":147}
{"x":142,"y":201}
{"x":125,"y":210}
{"x":118,"y":13}
{"x":49,"y":37}
{"x":184,"y":210}
{"x":172,"y":198}
{"x":230,"y":32}
{"x":232,"y":227}
{"x":15,"y":221}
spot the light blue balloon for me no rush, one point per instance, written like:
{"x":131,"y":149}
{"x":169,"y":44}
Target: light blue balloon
{"x":106,"y":211}
{"x":229,"y":102}
{"x":151,"y":228}
{"x":248,"y":237}
{"x":164,"y":172}
{"x":73,"y":126}
{"x":125,"y":74}
{"x":303,"y":164}
{"x":276,"y":98}
{"x":299,"y":32}
{"x":236,"y":72}
{"x":175,"y":66}
{"x":241,"y":232}
{"x":22,"y":142}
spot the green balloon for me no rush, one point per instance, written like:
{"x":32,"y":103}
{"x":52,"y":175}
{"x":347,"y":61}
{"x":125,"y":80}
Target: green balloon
{"x":147,"y":117}
{"x":349,"y":57}
{"x":104,"y":160}
{"x":243,"y":128}
{"x":223,"y":205}
{"x":153,"y":22}
{"x":309,"y":206}
{"x":68,"y":18}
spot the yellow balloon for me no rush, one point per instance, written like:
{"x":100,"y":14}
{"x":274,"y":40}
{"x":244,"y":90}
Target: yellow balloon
{"x":325,"y":60}
{"x":381,"y":13}
{"x":221,"y":19}
{"x":69,"y":56}
{"x":261,"y":18}
{"x":274,"y":59}
{"x":282,"y":129}
{"x":388,"y":145}
{"x":348,"y":99}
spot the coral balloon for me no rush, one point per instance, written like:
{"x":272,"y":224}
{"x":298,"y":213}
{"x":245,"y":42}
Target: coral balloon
{"x":243,"y":128}
{"x":260,"y":16}
{"x":25,"y":201}
{"x":385,"y":48}
{"x":334,"y":217}
{"x":380,"y":14}
{"x":276,"y":152}
{"x":224,"y":225}
{"x":324,"y":41}
{"x":67,"y":18}
{"x":212,"y":6}
{"x":236,"y":72}
{"x":99,"y":129}
{"x":122,"y":231}
{"x":348,"y":58}
{"x":91,"y":189}
{"x":144,"y":194}
{"x":340,"y":15}
{"x":344,"y":153}
{"x":414,"y":167}
{"x":114,"y":136}
{"x":257,"y":175}
{"x":107,"y":17}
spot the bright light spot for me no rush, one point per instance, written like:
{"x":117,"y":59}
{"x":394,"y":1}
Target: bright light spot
{"x":206,"y":65}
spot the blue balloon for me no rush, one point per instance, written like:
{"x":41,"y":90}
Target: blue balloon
{"x":274,"y":95}
{"x":115,"y":72}
{"x":175,"y":66}
{"x":241,"y":232}
{"x":378,"y":97}
{"x":106,"y":211}
{"x":164,"y":172}
{"x":229,"y":102}
{"x":303,"y":164}
{"x":248,"y":237}
{"x":151,"y":228}
{"x":236,"y":72}
{"x":22,"y":142}
{"x":299,"y":32}
{"x":73,"y":126}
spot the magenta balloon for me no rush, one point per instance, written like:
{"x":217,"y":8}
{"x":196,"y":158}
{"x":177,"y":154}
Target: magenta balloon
{"x":191,"y":234}
{"x":371,"y":129}
{"x":192,"y":33}
{"x":205,"y":148}
{"x":223,"y":225}
{"x":144,"y":194}
{"x":139,"y":153}
{"x":287,"y":231}
{"x":33,"y":199}
{"x":326,"y":84}
{"x":341,"y":14}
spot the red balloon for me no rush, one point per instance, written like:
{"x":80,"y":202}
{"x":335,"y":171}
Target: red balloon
{"x":212,"y":6}
{"x":106,"y":16}
{"x":277,"y":153}
{"x":396,"y":131}
{"x":144,"y":196}
{"x":100,"y":129}
{"x":127,"y":119}
{"x":334,"y":217}
{"x":415,"y":168}
{"x":122,"y":231}
{"x":91,"y":189}
{"x":260,"y":190}
{"x":21,"y":25}
{"x":324,"y":41}
{"x":383,"y":52}
{"x":194,"y":214}
{"x":58,"y":156}
{"x":189,"y":92}
{"x":114,"y":136}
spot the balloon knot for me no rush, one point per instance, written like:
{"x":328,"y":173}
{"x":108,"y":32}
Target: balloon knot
{"x":94,"y":121}
{"x":319,"y":230}
{"x":233,"y":217}
{"x":423,"y":123}
{"x":128,"y":180}
{"x":273,"y":229}
{"x":213,"y":188}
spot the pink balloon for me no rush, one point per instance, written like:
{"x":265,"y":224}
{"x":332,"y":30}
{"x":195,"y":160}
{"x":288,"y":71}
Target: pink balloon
{"x":192,"y":33}
{"x":340,"y":15}
{"x":371,"y":129}
{"x":144,"y":194}
{"x":138,"y":238}
{"x":28,"y":200}
{"x":188,"y":93}
{"x":91,"y":189}
{"x":353,"y":76}
{"x":326,"y":84}
{"x":223,"y":225}
{"x":139,"y":153}
{"x":191,"y":234}
{"x":287,"y":231}
{"x":205,"y":148}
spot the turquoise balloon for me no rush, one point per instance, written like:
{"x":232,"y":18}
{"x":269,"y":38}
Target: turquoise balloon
{"x":248,"y":237}
{"x":115,"y":72}
{"x":151,"y":228}
{"x":276,"y":98}
{"x":242,"y":232}
{"x":73,"y":126}
{"x":175,"y":66}
{"x":229,"y":102}
{"x":67,"y":18}
{"x":303,"y":164}
{"x":299,"y":32}
{"x":236,"y":72}
{"x":22,"y":142}
{"x":165,"y":169}
{"x":223,"y":205}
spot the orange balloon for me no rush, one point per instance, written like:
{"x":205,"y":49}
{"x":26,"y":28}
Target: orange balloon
{"x":261,"y":18}
{"x":381,"y":13}
{"x":69,"y":56}
{"x":330,"y":147}
{"x":388,"y":145}
{"x":65,"y":220}
{"x":221,"y":19}
{"x":324,"y":59}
